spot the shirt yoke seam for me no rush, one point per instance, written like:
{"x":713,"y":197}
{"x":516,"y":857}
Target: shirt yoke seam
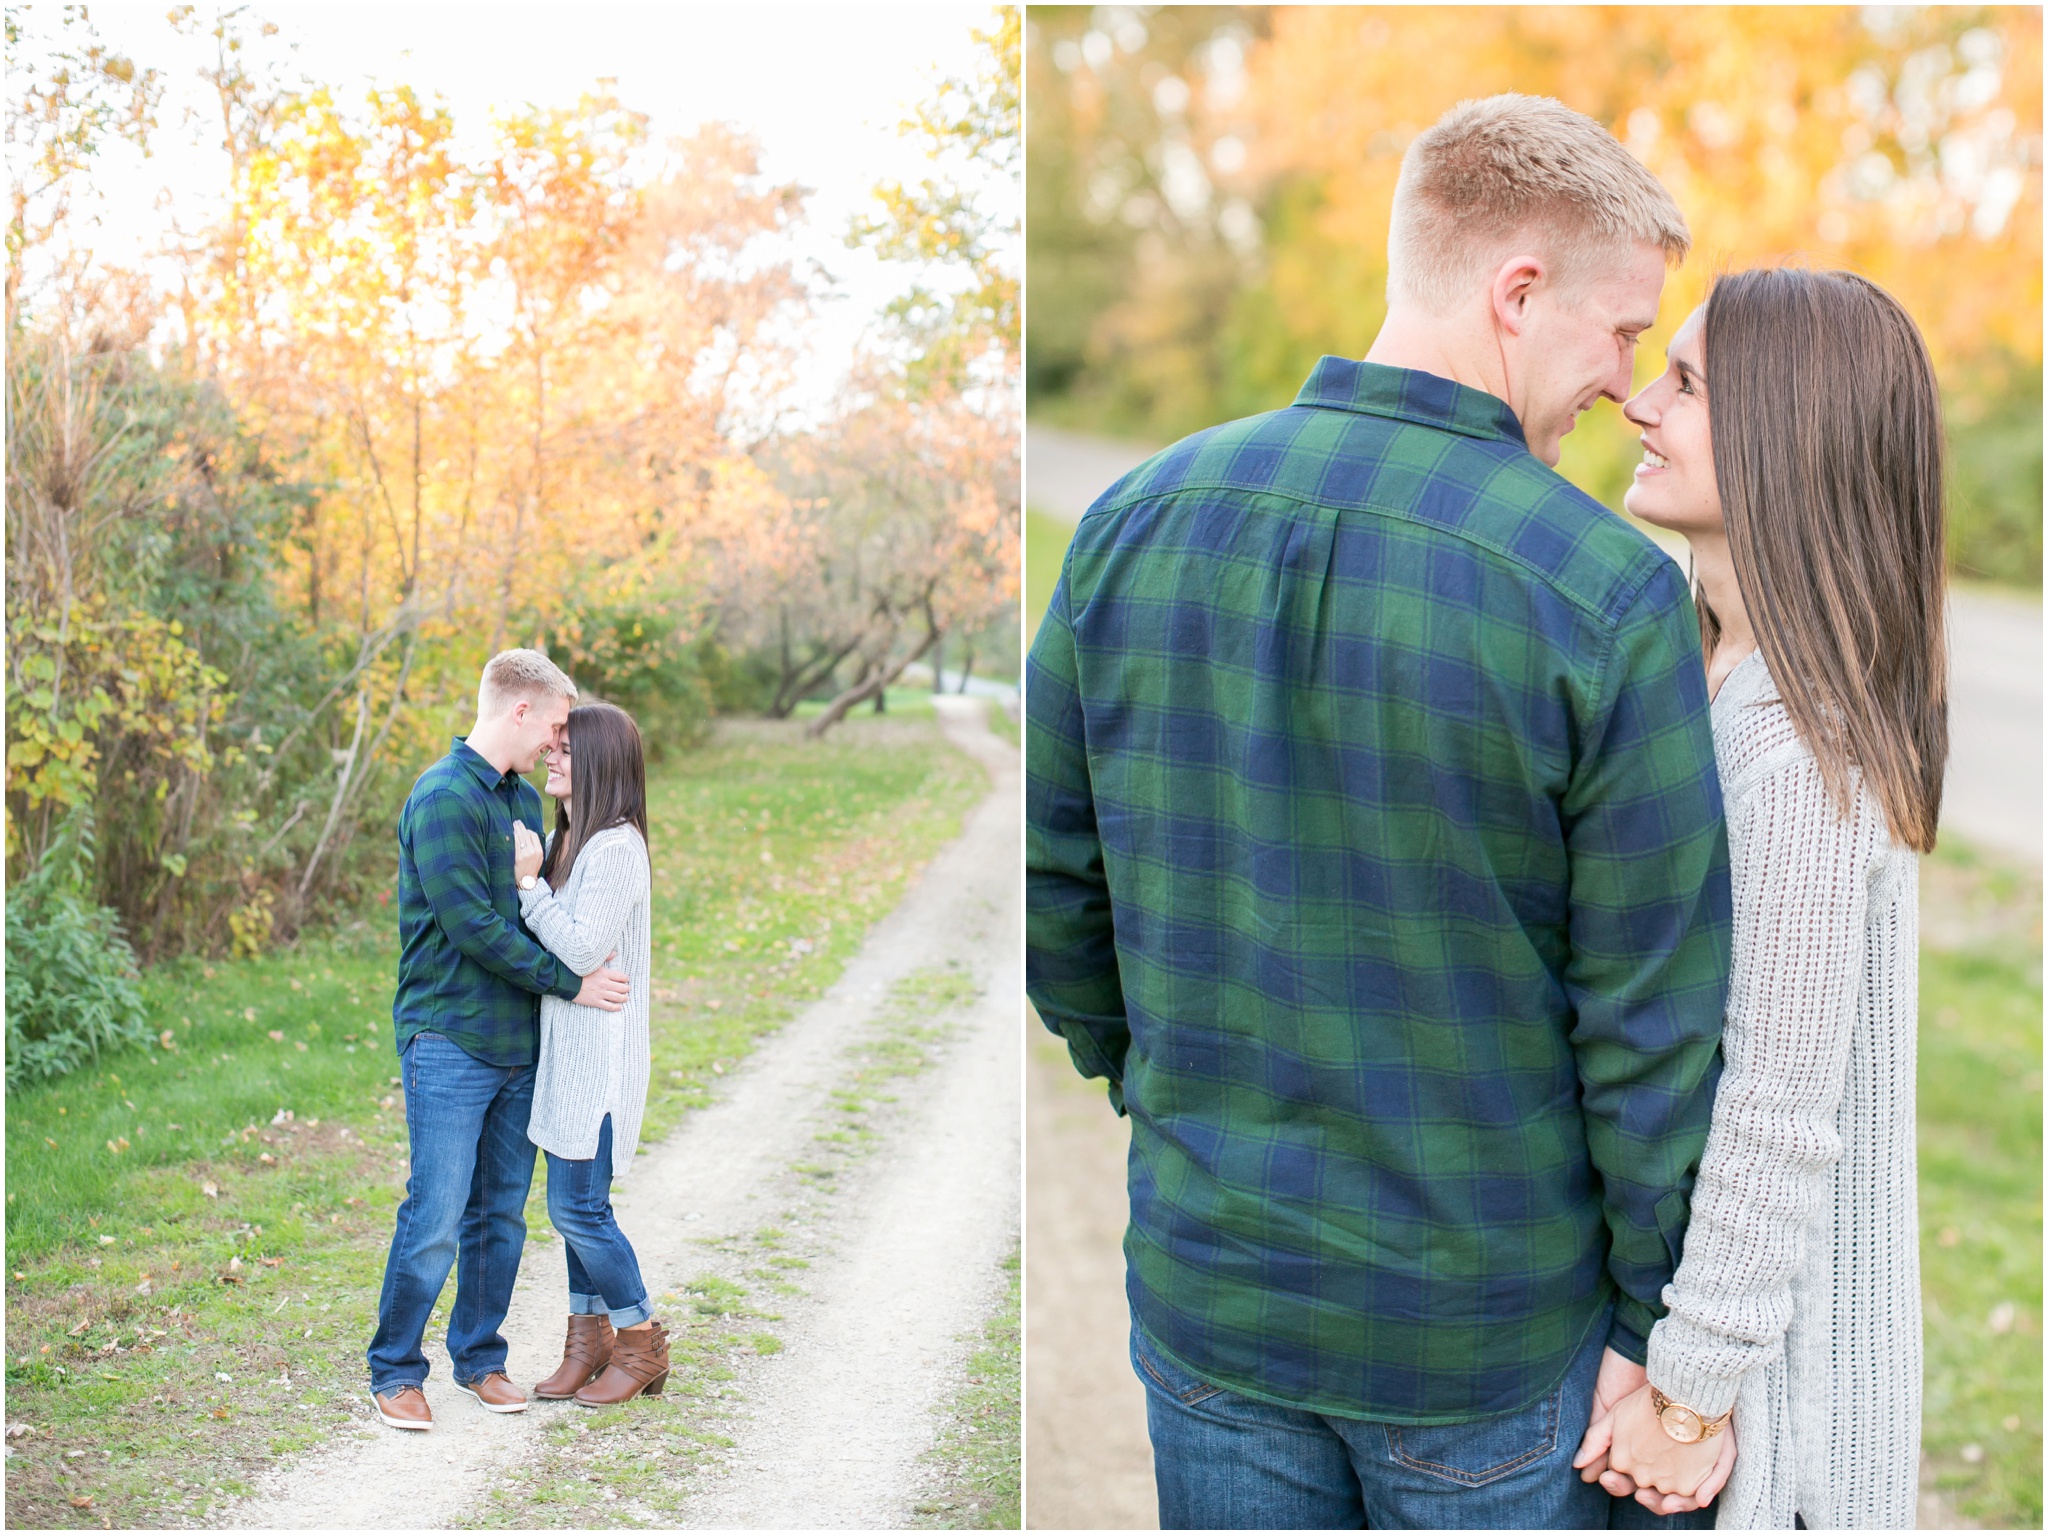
{"x":1609,"y":620}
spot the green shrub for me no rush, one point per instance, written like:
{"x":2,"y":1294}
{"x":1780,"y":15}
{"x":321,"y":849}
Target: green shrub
{"x":635,"y":655}
{"x":1994,"y":527}
{"x":72,"y":984}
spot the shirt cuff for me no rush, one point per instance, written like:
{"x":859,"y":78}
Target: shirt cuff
{"x":1627,"y":1342}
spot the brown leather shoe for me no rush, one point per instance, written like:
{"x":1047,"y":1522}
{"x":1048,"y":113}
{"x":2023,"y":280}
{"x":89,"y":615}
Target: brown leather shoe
{"x":639,"y":1366}
{"x":584,"y":1356}
{"x":404,"y":1407}
{"x":496,"y":1393}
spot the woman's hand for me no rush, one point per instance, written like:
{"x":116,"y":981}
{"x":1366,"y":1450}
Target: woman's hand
{"x":1661,"y":1468}
{"x":527,"y":851}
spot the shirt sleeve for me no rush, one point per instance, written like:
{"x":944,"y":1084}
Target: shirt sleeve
{"x":1649,"y":924}
{"x":1070,"y":961}
{"x":614,"y":879}
{"x":451,"y":849}
{"x":1801,"y":908}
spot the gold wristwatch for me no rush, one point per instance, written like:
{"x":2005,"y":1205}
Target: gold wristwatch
{"x":1682,"y":1423}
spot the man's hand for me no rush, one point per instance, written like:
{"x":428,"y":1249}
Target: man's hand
{"x":1655,"y":1463}
{"x":1618,"y":1378}
{"x":605,"y":988}
{"x":527,"y":851}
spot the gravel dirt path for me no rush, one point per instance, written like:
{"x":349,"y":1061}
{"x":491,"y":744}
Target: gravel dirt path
{"x":828,"y":1432}
{"x":1084,"y":1409}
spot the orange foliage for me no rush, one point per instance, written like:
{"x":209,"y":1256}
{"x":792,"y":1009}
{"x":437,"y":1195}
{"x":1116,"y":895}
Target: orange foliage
{"x":1912,"y":156}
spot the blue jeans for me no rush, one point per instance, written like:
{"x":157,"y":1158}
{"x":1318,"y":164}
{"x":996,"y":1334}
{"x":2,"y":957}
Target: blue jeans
{"x":604,"y":1276}
{"x":465,"y":1207}
{"x":1226,"y":1462}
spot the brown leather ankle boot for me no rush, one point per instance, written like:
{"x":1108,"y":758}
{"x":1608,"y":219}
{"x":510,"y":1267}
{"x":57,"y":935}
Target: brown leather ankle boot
{"x":639,"y":1365}
{"x":587,"y":1351}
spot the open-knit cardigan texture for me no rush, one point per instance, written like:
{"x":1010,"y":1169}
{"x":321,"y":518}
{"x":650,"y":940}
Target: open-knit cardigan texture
{"x":594,"y":1063}
{"x":1798,"y":1298}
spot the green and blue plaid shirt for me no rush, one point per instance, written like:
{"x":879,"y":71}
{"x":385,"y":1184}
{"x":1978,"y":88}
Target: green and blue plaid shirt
{"x":1375,"y":856}
{"x":467,"y":967}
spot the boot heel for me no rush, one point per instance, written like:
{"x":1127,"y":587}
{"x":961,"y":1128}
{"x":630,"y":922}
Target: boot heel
{"x":654,"y":1386}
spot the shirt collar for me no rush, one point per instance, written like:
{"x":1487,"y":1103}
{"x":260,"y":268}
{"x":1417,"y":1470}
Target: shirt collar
{"x":473,"y":759}
{"x":1372,"y":389}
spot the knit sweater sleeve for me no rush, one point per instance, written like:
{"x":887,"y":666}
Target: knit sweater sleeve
{"x":611,"y":878}
{"x":1800,"y":875}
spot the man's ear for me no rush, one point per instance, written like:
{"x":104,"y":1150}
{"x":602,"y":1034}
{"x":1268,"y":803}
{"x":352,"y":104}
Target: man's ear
{"x":1514,"y":281}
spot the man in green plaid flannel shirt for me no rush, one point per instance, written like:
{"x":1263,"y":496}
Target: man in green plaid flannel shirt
{"x":1375,"y":858}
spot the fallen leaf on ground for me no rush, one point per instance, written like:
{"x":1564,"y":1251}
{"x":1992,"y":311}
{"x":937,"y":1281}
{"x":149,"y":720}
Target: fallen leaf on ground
{"x":210,"y":1190}
{"x":83,"y":1502}
{"x":267,"y":1158}
{"x":272,"y":1262}
{"x":84,"y":1324}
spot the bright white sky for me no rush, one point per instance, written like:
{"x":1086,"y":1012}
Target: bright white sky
{"x":822,"y":88}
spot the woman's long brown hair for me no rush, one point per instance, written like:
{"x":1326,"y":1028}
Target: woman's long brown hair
{"x":607,"y":784}
{"x":1828,"y":450}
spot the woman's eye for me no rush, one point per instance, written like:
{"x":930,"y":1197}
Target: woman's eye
{"x":1684,"y":384}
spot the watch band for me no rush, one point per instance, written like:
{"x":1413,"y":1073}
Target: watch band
{"x":1685,"y":1424}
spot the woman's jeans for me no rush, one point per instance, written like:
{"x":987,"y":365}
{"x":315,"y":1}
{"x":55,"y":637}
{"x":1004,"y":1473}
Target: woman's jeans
{"x":471,"y":1167}
{"x":604,"y":1276}
{"x":1226,"y":1462}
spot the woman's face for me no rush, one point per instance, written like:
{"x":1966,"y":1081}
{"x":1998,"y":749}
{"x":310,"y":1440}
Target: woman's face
{"x":558,"y":769}
{"x":1674,"y":485}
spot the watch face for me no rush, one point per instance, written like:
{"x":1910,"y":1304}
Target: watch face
{"x":1682,"y":1424}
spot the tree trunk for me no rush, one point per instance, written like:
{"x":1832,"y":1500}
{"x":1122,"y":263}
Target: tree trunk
{"x":878,"y":678}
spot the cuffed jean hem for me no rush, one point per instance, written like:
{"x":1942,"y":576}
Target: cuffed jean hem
{"x":622,"y":1316}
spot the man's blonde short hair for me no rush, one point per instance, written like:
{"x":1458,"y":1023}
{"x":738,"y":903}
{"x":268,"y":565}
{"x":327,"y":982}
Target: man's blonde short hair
{"x":512,"y":675}
{"x":1509,"y":170}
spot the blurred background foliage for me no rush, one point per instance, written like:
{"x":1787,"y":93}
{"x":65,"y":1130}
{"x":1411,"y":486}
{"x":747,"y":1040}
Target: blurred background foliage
{"x":1209,"y":189}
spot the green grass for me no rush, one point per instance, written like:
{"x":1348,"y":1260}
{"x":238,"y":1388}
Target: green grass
{"x":772,"y":856}
{"x":979,"y":1454}
{"x":1001,"y":722}
{"x":1045,"y":549}
{"x":1980,"y":1186}
{"x":909,"y":703}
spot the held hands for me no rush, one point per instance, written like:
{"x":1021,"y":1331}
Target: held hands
{"x":1627,"y":1451}
{"x":527,"y":851}
{"x":605,"y":988}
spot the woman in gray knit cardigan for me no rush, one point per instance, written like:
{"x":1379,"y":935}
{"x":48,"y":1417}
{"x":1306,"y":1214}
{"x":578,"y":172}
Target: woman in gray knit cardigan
{"x":1786,"y":1377}
{"x":585,"y":897}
